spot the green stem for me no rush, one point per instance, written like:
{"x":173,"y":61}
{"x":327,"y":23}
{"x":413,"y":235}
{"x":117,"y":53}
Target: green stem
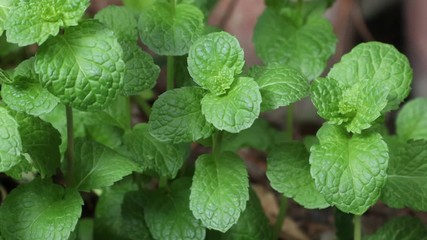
{"x":70,"y":145}
{"x":281,"y":217}
{"x":290,"y":122}
{"x":357,"y":221}
{"x":143,"y":105}
{"x":216,"y":142}
{"x":170,"y":84}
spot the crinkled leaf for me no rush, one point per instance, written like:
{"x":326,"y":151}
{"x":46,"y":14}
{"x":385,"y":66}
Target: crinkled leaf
{"x":141,"y":72}
{"x":116,"y":114}
{"x":41,"y":142}
{"x":121,"y":20}
{"x":219,"y":191}
{"x":411,"y":121}
{"x":27,"y":94}
{"x":214,"y":60}
{"x":165,"y":159}
{"x":406,"y":175}
{"x":349,"y":170}
{"x":20,"y":170}
{"x":177,"y":116}
{"x":109,"y":222}
{"x":401,"y":228}
{"x":133,"y":216}
{"x":280,"y":86}
{"x":288,"y":170}
{"x":376,"y":63}
{"x":170,"y":30}
{"x":172,"y":209}
{"x":98,"y":166}
{"x":83,"y":67}
{"x":10,"y":141}
{"x":252,"y":224}
{"x":5,"y":6}
{"x":286,"y":37}
{"x":237,"y":109}
{"x":34,"y":21}
{"x":40,"y":210}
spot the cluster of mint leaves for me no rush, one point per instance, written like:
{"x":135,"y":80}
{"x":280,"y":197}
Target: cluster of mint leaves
{"x":86,"y":70}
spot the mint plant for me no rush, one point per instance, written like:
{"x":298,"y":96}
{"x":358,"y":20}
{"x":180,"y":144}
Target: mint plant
{"x":67,"y":134}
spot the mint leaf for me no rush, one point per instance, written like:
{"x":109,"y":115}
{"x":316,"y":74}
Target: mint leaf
{"x":169,"y":29}
{"x":40,"y":210}
{"x":214,"y":60}
{"x":5,"y":6}
{"x":150,"y":154}
{"x":401,"y":228}
{"x":71,"y":68}
{"x":41,"y":141}
{"x":27,"y":95}
{"x":177,"y":116}
{"x":10,"y":141}
{"x":138,"y":5}
{"x":252,"y":224}
{"x":171,"y":209}
{"x":411,"y":122}
{"x":34,"y":21}
{"x":97,"y":166}
{"x":219,"y":191}
{"x":406,"y":172}
{"x":141,"y":72}
{"x":116,"y":114}
{"x":287,"y":37}
{"x":349,"y":170}
{"x":273,"y":81}
{"x":121,"y":20}
{"x":237,"y":109}
{"x":133,"y":216}
{"x":376,"y":63}
{"x":288,"y":170}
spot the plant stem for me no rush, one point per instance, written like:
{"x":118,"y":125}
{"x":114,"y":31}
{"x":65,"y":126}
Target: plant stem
{"x":281,"y":217}
{"x":216,"y":143}
{"x":70,"y":145}
{"x":290,"y":122}
{"x":143,"y":105}
{"x":357,"y":221}
{"x":170,"y":84}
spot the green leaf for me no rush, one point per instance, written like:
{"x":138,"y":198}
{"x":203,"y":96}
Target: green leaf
{"x":34,"y":21}
{"x":10,"y":141}
{"x":237,"y":109}
{"x":401,"y":228}
{"x":177,"y":116}
{"x":109,"y":222}
{"x":97,"y":166}
{"x":214,"y":60}
{"x":83,"y":230}
{"x":169,"y":29}
{"x":5,"y":6}
{"x":252,"y":224}
{"x":288,"y":170}
{"x":121,"y":20}
{"x":40,"y":210}
{"x":219,"y":191}
{"x":141,"y":72}
{"x":276,"y":80}
{"x":378,"y":63}
{"x":171,"y":209}
{"x":41,"y":141}
{"x":407,"y":171}
{"x":27,"y":94}
{"x":116,"y":114}
{"x":133,"y":216}
{"x":287,"y":37}
{"x":349,"y":170}
{"x":83,"y":67}
{"x":411,"y":122}
{"x":150,"y":154}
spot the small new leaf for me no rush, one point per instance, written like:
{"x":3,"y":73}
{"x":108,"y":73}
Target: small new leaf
{"x":40,"y":210}
{"x":237,"y":109}
{"x":214,"y":61}
{"x":177,"y":116}
{"x":219,"y":191}
{"x":170,"y":29}
{"x":97,"y":166}
{"x":411,"y":121}
{"x":288,"y":170}
{"x":349,"y":170}
{"x":83,"y":67}
{"x":34,"y":21}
